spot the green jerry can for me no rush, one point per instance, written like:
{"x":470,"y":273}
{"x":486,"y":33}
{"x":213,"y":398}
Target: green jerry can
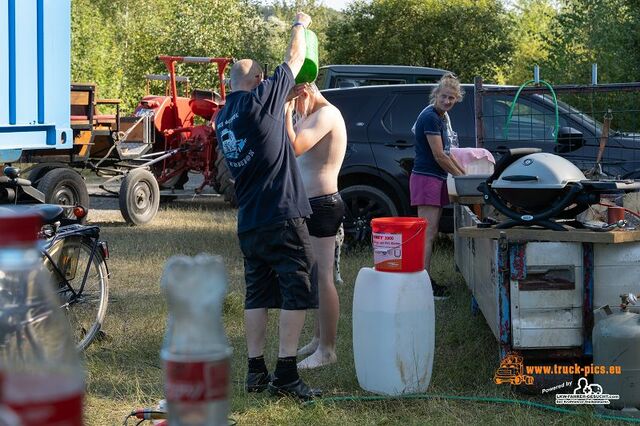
{"x":616,"y":346}
{"x":309,"y":70}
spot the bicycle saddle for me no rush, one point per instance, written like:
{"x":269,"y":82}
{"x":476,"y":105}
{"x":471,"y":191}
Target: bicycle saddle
{"x":49,"y":213}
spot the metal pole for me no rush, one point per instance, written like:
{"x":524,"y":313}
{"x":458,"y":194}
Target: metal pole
{"x":477,"y":107}
{"x":594,"y":74}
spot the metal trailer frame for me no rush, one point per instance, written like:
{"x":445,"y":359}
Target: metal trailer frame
{"x":494,"y":263}
{"x":481,"y":90}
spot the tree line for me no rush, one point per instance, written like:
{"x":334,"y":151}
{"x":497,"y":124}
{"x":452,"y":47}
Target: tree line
{"x":115,"y":42}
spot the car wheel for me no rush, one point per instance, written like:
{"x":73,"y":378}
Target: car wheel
{"x":363,"y":203}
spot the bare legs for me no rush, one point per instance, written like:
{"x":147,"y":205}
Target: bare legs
{"x":255,"y":324}
{"x":323,"y":346}
{"x":432,"y":215}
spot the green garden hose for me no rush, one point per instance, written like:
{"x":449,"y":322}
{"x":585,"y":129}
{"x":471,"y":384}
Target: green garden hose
{"x":468,"y":398}
{"x":515,"y":100}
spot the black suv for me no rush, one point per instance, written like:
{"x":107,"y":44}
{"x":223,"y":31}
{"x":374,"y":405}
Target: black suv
{"x":374,"y":179}
{"x":342,"y":76}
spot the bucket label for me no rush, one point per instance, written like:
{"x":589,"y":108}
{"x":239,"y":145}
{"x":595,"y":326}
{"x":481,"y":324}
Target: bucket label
{"x":387,"y":250}
{"x":197,"y":381}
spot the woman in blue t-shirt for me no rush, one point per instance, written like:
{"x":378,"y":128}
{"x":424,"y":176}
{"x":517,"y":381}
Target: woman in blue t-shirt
{"x":428,"y":182}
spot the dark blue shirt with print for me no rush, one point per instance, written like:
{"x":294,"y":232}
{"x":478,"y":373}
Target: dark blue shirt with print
{"x":429,"y":122}
{"x":251,"y":133}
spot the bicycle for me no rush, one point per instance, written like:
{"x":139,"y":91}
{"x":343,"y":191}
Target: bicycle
{"x":72,"y":253}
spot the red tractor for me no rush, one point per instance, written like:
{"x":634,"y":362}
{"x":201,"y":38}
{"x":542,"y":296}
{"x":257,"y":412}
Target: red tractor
{"x":150,"y":153}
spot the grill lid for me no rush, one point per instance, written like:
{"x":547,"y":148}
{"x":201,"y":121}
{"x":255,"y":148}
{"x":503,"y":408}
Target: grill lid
{"x":539,"y":171}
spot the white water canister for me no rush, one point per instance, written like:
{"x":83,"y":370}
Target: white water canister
{"x":393,"y":331}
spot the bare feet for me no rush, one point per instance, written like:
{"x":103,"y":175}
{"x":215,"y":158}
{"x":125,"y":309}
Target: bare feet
{"x":310,"y":348}
{"x":318,"y":359}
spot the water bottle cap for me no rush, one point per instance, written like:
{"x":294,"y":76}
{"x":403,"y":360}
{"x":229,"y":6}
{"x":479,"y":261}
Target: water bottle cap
{"x":18,"y":228}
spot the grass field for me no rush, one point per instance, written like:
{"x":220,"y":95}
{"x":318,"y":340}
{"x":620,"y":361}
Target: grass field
{"x":124,"y":370}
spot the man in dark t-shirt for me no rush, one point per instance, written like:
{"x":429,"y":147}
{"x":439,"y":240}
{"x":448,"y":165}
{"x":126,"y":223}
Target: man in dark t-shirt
{"x":272,"y":207}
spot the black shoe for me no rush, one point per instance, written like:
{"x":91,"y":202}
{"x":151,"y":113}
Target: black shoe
{"x":257,"y":382}
{"x":440,"y":292}
{"x":297,"y":389}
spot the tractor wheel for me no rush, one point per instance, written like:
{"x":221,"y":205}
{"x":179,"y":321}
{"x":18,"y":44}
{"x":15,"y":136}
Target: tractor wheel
{"x":224,"y":181}
{"x":139,"y":197}
{"x":66,"y":187}
{"x":176,"y":182}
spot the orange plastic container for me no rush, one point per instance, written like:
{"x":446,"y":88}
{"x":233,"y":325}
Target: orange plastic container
{"x":398,"y":243}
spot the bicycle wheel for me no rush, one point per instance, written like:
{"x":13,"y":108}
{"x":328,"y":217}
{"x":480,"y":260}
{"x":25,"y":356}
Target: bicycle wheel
{"x":82,"y":283}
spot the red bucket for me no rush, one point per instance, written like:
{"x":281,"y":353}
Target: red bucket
{"x":398,"y":243}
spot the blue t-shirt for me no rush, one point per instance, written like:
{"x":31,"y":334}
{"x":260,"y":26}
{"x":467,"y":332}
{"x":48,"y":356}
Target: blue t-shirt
{"x":251,"y":132}
{"x":429,"y":122}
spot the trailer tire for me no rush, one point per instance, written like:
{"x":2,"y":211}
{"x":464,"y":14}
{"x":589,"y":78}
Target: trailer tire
{"x":66,"y":187}
{"x":38,"y":172}
{"x":224,"y":181}
{"x":139,"y":197}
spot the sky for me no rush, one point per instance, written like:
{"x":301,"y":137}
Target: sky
{"x":336,"y":4}
{"x":342,"y":4}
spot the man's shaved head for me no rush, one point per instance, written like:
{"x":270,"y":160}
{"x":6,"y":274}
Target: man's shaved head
{"x":246,"y":74}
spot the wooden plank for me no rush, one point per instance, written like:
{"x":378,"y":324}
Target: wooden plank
{"x":534,"y":234}
{"x":79,"y":98}
{"x":466,"y":200}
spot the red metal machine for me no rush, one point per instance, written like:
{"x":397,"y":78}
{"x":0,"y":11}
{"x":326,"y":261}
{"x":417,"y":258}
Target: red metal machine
{"x":150,"y":153}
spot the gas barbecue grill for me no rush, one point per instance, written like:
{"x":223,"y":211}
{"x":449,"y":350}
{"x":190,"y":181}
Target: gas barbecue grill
{"x":535,"y":188}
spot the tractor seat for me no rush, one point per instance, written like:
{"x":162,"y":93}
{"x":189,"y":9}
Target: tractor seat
{"x":204,"y":108}
{"x":212,"y":95}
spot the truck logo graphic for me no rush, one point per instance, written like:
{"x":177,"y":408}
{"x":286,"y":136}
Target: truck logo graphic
{"x":231,"y":147}
{"x":511,"y":371}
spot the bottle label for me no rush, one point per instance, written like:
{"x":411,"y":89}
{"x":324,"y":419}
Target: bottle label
{"x":197,"y":381}
{"x":61,"y":412}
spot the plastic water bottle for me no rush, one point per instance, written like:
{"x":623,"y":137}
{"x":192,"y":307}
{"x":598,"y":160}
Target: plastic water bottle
{"x":8,"y":417}
{"x":42,"y":379}
{"x":196,"y":354}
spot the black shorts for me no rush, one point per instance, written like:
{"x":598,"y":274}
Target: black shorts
{"x":328,"y":211}
{"x":279,"y":268}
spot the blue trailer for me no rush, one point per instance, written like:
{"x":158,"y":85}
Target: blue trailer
{"x":35,"y":39}
{"x":35,"y":100}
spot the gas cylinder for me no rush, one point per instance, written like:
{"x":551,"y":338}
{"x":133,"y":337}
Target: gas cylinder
{"x":393,"y":331}
{"x":616,"y":343}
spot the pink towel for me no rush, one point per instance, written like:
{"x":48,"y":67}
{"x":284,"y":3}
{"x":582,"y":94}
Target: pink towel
{"x":467,"y":155}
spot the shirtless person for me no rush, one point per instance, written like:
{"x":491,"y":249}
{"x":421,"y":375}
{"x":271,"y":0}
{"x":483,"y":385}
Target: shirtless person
{"x":319,"y":141}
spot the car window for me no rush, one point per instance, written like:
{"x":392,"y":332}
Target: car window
{"x":529,"y":121}
{"x":424,"y":79}
{"x":357,"y":113}
{"x":463,"y":120}
{"x":321,"y":76}
{"x":402,"y":113}
{"x":343,"y":82}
